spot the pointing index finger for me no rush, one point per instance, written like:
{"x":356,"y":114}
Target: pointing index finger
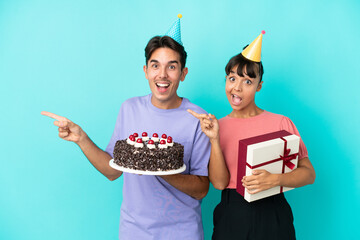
{"x":54,"y":116}
{"x":197,"y":115}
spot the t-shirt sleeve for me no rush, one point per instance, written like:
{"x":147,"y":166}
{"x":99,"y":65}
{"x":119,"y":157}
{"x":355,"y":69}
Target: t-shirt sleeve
{"x":288,"y":125}
{"x":115,"y":136}
{"x":200,"y":154}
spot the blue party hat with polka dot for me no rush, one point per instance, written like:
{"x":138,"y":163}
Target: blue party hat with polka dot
{"x":174,"y":31}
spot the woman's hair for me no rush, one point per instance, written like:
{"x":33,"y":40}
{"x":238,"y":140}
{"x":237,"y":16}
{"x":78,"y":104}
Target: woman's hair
{"x":165,"y":42}
{"x":252,"y":69}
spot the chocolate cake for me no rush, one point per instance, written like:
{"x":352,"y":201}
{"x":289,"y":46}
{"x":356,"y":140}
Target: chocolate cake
{"x":143,"y":153}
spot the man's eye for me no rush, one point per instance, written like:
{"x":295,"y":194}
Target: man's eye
{"x":171,"y":67}
{"x":155,"y":66}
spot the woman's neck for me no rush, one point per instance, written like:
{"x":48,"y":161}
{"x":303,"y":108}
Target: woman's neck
{"x":246,"y":113}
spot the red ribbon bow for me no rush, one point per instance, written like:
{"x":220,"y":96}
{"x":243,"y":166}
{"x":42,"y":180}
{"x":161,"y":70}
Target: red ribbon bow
{"x":287,"y":158}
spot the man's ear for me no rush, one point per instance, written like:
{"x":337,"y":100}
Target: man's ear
{"x":184,"y":73}
{"x":145,"y":68}
{"x":259,"y":86}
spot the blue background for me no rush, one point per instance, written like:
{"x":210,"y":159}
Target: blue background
{"x":82,"y":59}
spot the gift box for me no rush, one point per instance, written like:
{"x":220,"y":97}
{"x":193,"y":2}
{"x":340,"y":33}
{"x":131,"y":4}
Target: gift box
{"x":276,"y":152}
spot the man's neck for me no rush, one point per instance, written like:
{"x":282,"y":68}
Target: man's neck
{"x":174,"y":103}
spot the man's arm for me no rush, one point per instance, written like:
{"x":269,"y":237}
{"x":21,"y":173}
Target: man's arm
{"x":193,"y":185}
{"x":98,"y":158}
{"x":72,"y":132}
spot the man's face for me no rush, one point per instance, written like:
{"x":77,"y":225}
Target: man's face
{"x":164,"y":73}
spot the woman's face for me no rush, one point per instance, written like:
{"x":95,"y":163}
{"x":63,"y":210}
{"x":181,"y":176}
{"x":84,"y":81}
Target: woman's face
{"x":240,"y":91}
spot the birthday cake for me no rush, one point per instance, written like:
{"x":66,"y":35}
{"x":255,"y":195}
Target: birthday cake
{"x":149,"y":154}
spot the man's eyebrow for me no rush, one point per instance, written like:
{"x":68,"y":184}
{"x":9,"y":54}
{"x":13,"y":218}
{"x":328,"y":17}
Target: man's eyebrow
{"x":170,"y":62}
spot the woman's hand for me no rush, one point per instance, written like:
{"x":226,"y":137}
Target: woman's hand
{"x":209,"y":124}
{"x":260,"y":180}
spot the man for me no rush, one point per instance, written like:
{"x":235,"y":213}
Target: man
{"x":154,"y":207}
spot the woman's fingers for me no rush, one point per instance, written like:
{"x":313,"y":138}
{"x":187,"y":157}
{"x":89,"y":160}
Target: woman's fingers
{"x":206,"y":121}
{"x":212,"y":116}
{"x":251,"y":187}
{"x":253,"y":191}
{"x":197,"y":115}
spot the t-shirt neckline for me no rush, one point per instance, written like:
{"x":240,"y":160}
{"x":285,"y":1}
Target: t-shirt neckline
{"x":160,"y":110}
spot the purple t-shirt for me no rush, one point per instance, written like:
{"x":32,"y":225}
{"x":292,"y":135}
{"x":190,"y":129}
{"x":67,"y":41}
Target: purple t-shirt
{"x":151,"y":207}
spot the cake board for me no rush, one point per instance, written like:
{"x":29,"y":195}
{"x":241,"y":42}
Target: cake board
{"x":141,"y":172}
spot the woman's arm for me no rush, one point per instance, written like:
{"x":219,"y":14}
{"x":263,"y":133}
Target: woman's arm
{"x":218,"y":173}
{"x":262,"y":180}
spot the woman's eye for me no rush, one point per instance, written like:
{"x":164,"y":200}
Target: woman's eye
{"x":231,"y":79}
{"x":249,"y":82}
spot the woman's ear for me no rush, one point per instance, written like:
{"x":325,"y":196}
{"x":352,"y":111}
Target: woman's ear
{"x":259,"y":86}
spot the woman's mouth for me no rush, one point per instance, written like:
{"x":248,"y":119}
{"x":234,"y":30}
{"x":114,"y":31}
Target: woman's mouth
{"x":235,"y":100}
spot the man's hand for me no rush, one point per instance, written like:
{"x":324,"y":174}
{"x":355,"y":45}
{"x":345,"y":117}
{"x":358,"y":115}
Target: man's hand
{"x":68,"y":130}
{"x":209,"y":124}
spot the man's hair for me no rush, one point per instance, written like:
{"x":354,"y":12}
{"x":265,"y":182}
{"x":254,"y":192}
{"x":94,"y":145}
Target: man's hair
{"x":252,"y":69}
{"x":165,"y":42}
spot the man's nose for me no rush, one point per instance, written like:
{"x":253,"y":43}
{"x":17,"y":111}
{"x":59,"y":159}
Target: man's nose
{"x":163,"y":73}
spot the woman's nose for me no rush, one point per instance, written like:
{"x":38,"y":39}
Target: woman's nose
{"x":238,"y":86}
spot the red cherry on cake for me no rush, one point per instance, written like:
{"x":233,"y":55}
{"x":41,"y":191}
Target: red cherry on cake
{"x":144,"y":134}
{"x":135,"y":135}
{"x":139,"y":140}
{"x":162,"y":142}
{"x":151,"y":142}
{"x":169,"y":139}
{"x":132,"y":138}
{"x":155,"y":135}
{"x":164,"y":136}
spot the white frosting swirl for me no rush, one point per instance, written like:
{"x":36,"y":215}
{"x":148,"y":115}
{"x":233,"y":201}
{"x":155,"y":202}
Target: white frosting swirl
{"x":139,"y":145}
{"x":151,"y":146}
{"x":162,"y":146}
{"x":130,"y":142}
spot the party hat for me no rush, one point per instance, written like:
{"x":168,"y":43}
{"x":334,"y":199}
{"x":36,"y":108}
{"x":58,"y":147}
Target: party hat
{"x":174,"y":31}
{"x":253,"y":51}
